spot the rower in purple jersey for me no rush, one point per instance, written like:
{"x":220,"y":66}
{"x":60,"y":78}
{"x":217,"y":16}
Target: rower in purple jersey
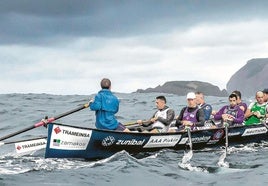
{"x":243,"y":106}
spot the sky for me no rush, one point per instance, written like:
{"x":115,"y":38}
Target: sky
{"x":66,"y":47}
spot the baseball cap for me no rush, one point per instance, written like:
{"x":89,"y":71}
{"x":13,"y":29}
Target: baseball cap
{"x":265,"y":90}
{"x":191,"y":95}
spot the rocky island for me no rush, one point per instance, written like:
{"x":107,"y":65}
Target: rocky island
{"x":181,"y":88}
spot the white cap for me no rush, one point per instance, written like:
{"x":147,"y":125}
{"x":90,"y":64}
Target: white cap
{"x":191,"y":95}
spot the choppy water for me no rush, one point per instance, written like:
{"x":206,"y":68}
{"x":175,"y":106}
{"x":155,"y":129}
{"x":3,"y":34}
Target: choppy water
{"x":242,"y":165}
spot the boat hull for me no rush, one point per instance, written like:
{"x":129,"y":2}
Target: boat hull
{"x":66,"y":141}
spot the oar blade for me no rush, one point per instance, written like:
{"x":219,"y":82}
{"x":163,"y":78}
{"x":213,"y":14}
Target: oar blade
{"x":26,"y":147}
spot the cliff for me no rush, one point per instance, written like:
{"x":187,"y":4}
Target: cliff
{"x":181,"y":88}
{"x":250,"y":78}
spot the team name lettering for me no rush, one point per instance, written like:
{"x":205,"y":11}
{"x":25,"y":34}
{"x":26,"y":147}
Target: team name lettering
{"x":73,"y":133}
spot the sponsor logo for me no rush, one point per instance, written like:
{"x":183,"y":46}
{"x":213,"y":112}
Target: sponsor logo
{"x":75,"y":133}
{"x":218,"y":134}
{"x":108,"y":141}
{"x":56,"y":142}
{"x":162,"y":141}
{"x":130,"y":142}
{"x":57,"y":130}
{"x":253,"y":131}
{"x":69,"y":138}
{"x":73,"y":144}
{"x":200,"y":139}
{"x":32,"y":145}
{"x":233,"y":133}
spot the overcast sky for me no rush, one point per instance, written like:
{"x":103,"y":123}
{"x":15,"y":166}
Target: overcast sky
{"x":67,"y":47}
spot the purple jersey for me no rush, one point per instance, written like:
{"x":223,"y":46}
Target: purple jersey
{"x":234,"y":111}
{"x":190,"y":116}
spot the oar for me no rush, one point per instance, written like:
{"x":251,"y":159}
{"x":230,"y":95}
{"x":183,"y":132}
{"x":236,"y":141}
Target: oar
{"x":189,"y":137}
{"x":135,"y":123}
{"x":18,"y":141}
{"x":43,"y":122}
{"x":226,"y":136}
{"x":131,"y":123}
{"x":188,"y":156}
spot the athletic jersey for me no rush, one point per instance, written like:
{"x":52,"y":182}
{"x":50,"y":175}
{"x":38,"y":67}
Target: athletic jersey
{"x":190,"y":116}
{"x":158,"y":124}
{"x":207,"y":110}
{"x":255,"y":107}
{"x":233,"y":111}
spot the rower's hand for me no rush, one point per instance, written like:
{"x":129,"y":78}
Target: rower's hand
{"x":91,"y":100}
{"x":187,"y":123}
{"x":153,"y":119}
{"x":227,"y":117}
{"x":139,"y":122}
{"x":257,"y":114}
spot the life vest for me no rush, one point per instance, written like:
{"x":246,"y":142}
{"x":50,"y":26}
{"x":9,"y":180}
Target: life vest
{"x":158,"y":124}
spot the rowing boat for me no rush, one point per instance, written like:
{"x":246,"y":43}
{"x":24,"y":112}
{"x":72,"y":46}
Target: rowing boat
{"x":67,"y":141}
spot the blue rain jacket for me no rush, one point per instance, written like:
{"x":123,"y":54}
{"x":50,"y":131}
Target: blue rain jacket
{"x":106,"y":106}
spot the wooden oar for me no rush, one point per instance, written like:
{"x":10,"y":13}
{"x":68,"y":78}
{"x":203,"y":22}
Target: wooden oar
{"x":135,"y":123}
{"x":24,"y":140}
{"x":131,"y":123}
{"x":189,"y":137}
{"x":44,"y":122}
{"x":226,"y":137}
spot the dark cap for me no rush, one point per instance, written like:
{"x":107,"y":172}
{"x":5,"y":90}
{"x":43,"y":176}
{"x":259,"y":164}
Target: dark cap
{"x":265,"y":91}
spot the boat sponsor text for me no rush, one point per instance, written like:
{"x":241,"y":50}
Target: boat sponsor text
{"x":254,"y":131}
{"x":162,"y":141}
{"x":31,"y":145}
{"x":69,"y":138}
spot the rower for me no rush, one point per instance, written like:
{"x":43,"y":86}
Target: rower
{"x":241,"y":104}
{"x":200,"y":100}
{"x":162,"y":118}
{"x":232,"y":114}
{"x":256,"y":110}
{"x":190,"y":116}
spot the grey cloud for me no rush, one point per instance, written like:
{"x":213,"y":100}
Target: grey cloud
{"x":56,"y":21}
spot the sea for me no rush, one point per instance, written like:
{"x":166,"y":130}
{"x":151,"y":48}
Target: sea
{"x":245,"y":164}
